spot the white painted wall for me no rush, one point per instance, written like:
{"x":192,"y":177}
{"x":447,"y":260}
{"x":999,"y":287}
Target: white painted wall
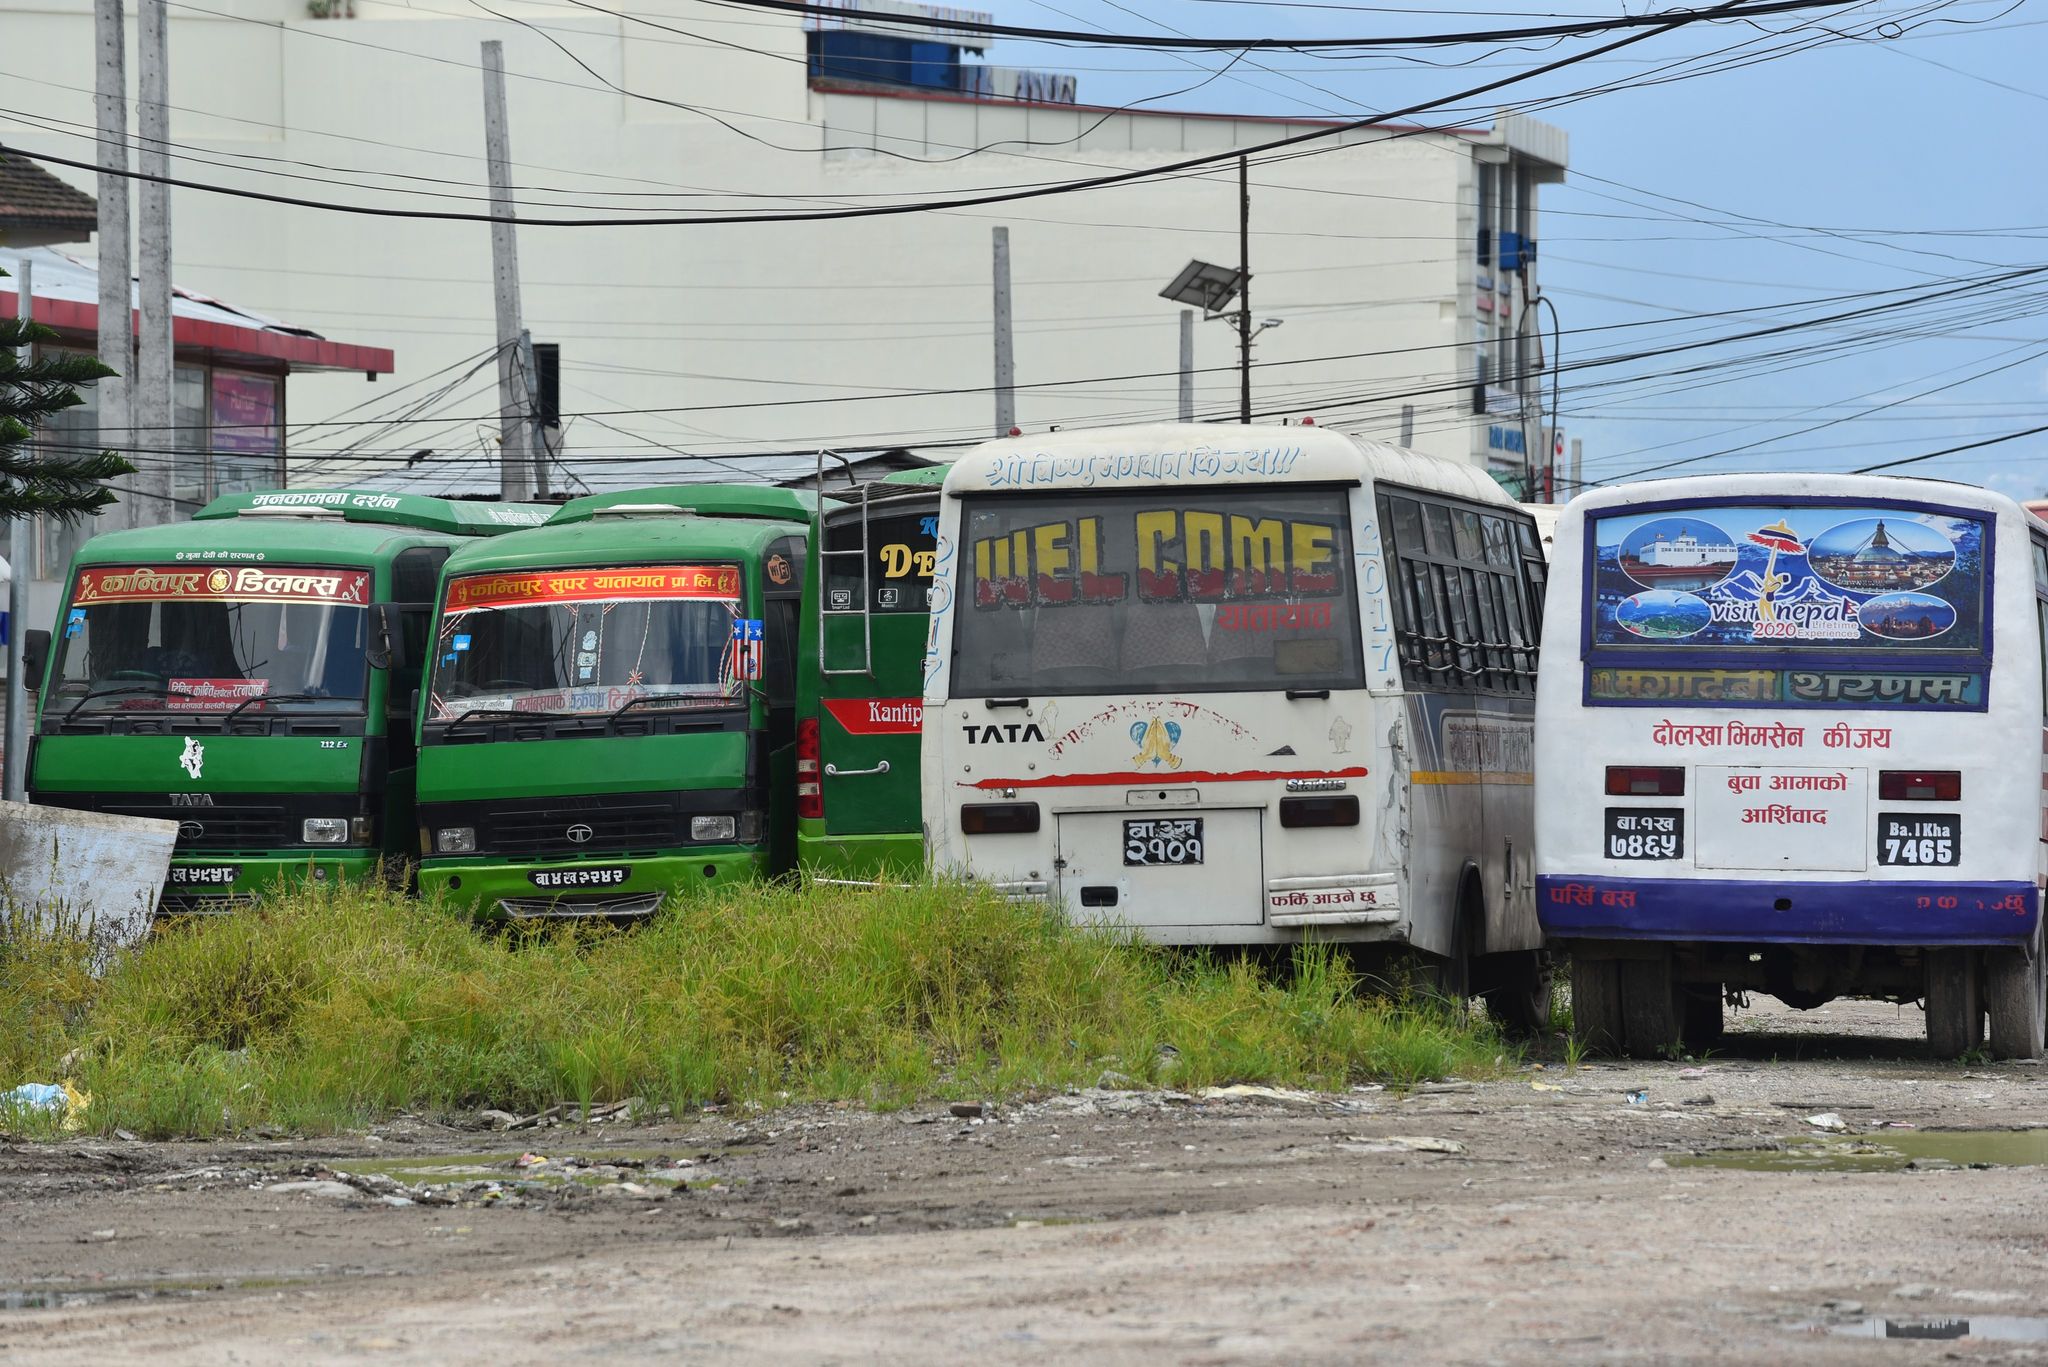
{"x":1367,"y":249}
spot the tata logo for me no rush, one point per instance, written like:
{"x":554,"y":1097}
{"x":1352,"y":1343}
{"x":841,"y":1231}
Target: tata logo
{"x":190,"y":830}
{"x":190,"y":799}
{"x":994,"y":733}
{"x":579,"y":834}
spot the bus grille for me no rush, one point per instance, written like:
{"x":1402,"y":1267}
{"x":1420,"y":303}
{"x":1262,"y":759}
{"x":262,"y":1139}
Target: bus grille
{"x":217,"y":828}
{"x":580,"y":825}
{"x":531,"y":908}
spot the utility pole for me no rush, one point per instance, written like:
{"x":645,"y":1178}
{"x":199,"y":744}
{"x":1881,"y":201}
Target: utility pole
{"x":117,"y":322}
{"x":1571,"y":483}
{"x":151,"y":419}
{"x":1244,"y":290}
{"x":536,"y":426}
{"x":1006,"y":360}
{"x":12,"y":783}
{"x":1408,"y":424}
{"x":512,"y":453}
{"x":1187,"y":365}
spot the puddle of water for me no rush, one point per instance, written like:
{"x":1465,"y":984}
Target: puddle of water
{"x":671,"y":1167}
{"x":70,"y":1298}
{"x":1992,"y":1328}
{"x":1886,"y":1151}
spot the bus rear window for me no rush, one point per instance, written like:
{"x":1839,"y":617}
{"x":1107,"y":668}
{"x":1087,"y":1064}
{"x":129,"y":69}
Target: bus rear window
{"x":1182,"y":590}
{"x":1842,"y":592}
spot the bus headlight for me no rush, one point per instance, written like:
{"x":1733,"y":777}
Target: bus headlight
{"x":713,"y":828}
{"x":324,"y":830}
{"x":455,"y":840}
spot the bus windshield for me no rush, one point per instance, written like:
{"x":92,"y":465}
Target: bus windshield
{"x":1804,"y":603}
{"x":590,"y":641}
{"x":1187,"y":590}
{"x":199,"y":639}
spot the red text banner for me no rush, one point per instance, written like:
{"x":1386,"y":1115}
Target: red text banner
{"x":877,"y":716}
{"x":245,"y":584}
{"x":610,"y":584}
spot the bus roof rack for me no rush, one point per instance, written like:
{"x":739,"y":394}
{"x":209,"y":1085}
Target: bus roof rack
{"x":453,"y":517}
{"x":703,"y":500}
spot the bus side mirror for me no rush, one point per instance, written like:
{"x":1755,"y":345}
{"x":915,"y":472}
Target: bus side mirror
{"x":35,"y":656}
{"x":386,"y":649}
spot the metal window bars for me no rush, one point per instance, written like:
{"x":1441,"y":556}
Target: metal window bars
{"x":825,"y":552}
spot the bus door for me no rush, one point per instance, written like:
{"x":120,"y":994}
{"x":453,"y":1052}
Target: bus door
{"x":872,"y":682}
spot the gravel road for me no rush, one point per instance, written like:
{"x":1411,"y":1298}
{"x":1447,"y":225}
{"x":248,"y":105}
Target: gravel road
{"x":1550,"y":1215}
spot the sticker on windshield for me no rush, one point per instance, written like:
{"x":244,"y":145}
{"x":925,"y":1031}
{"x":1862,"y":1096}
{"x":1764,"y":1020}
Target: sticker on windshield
{"x":471,"y":591}
{"x":1842,"y":577}
{"x":461,"y":641}
{"x":74,"y":622}
{"x":746,"y":648}
{"x":209,"y":695}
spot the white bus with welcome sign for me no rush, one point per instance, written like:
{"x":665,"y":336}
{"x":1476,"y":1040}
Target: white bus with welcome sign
{"x":1789,"y":739}
{"x":1242,"y":685}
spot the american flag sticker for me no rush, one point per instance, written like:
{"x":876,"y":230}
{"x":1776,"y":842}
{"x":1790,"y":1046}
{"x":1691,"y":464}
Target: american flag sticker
{"x":746,"y":648}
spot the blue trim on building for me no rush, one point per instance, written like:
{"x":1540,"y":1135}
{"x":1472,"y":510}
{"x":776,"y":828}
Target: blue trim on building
{"x":1745,"y":910}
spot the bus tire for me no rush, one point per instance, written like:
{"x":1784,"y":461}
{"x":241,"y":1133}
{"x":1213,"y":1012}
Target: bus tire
{"x":1596,"y":1004}
{"x":1955,"y":1010}
{"x":1652,"y":1011}
{"x":1517,"y":987}
{"x":1705,"y":1020}
{"x":2016,"y":999}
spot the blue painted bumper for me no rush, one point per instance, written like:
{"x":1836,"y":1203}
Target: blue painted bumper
{"x":1850,"y":913}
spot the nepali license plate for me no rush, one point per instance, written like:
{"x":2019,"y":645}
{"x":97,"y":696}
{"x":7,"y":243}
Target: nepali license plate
{"x":1172,"y":840}
{"x":1645,"y":832}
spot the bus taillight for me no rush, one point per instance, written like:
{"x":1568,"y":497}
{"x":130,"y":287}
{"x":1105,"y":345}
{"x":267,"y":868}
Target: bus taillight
{"x":1920,"y":785}
{"x":1638,"y":781}
{"x":810,"y":798}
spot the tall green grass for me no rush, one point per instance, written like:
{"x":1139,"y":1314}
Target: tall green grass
{"x":330,"y":1007}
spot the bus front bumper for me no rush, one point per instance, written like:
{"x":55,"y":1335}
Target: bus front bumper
{"x":1780,"y":912}
{"x":629,"y":886}
{"x":200,"y":886}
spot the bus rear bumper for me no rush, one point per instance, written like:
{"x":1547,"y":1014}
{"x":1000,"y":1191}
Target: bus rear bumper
{"x":1778,"y":912}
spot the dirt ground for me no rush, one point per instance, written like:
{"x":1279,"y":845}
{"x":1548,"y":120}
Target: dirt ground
{"x":1547,"y":1216}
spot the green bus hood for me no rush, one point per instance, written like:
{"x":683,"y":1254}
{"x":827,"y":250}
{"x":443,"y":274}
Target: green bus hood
{"x":567,"y":768}
{"x":226,"y":764}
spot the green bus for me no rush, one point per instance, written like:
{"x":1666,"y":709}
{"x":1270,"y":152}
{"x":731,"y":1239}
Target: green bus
{"x":611,"y":709}
{"x":860,"y":679}
{"x":249,"y":675}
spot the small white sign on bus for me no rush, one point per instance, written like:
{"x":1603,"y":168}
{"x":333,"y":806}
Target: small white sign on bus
{"x":1754,"y":817}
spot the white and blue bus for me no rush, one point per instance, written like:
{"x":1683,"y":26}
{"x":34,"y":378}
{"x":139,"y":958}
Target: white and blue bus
{"x":1243,"y":686}
{"x":1789,"y":740}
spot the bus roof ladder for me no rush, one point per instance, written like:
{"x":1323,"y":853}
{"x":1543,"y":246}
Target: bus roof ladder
{"x":826,"y":612}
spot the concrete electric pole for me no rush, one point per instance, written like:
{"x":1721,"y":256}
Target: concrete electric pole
{"x":117,"y":323}
{"x":1244,"y":290}
{"x":537,"y":433}
{"x":153,"y":434}
{"x":1006,"y":360}
{"x":1187,"y":365}
{"x":512,"y":399}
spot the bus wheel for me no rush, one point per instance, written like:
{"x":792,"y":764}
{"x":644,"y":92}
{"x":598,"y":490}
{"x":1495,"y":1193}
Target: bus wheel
{"x":1704,"y":1021}
{"x":1652,"y":1012}
{"x":2016,"y":997}
{"x":1596,"y":1004}
{"x":1516,"y":987}
{"x":1955,"y":1011}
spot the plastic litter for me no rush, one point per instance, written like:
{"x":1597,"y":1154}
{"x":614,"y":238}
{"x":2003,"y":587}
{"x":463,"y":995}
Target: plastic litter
{"x":51,"y":1096}
{"x":1545,"y":1087}
{"x":528,"y":1160}
{"x":1827,"y":1120}
{"x":1638,"y":1098}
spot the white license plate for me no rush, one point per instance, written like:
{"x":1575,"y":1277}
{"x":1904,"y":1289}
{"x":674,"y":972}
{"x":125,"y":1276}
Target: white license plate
{"x":1167,"y":841}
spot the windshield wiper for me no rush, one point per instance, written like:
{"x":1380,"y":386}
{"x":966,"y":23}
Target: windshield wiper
{"x":631,"y":703}
{"x":500,"y":712}
{"x":92,"y":693}
{"x":238,"y":708}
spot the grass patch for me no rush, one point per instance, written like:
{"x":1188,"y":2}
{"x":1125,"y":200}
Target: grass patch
{"x":329,"y":1007}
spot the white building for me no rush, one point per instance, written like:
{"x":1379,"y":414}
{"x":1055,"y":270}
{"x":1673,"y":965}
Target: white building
{"x":1401,"y":262}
